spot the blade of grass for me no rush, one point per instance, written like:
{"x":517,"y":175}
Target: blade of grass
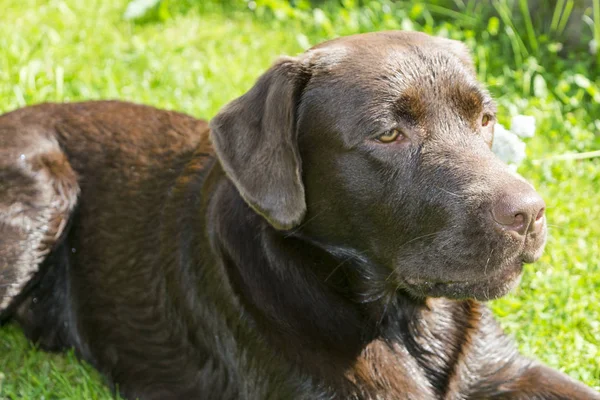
{"x":460,"y":4}
{"x":565,"y":16}
{"x":569,"y":156}
{"x":482,"y":63}
{"x":597,"y":29}
{"x":528,"y":25}
{"x":452,"y":14}
{"x":517,"y":43}
{"x":558,"y":9}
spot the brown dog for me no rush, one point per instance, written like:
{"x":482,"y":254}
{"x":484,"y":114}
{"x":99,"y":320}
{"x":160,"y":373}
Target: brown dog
{"x":334,"y":247}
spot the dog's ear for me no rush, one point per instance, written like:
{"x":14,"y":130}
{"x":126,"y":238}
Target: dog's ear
{"x":255,"y":140}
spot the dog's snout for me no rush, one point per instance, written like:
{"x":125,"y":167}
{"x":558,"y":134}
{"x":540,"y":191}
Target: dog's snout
{"x":520,"y":210}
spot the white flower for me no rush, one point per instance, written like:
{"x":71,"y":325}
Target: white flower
{"x":593,"y":46}
{"x":138,"y":8}
{"x":523,"y":126}
{"x":507,"y":146}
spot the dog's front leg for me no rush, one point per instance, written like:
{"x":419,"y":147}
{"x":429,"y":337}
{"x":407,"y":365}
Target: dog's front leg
{"x":531,"y":381}
{"x":492,"y":368}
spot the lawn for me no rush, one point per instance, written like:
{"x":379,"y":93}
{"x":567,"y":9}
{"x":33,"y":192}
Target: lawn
{"x":196,"y":56}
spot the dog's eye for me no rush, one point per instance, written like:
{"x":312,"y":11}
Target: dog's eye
{"x":485,"y":120}
{"x":390,"y":136}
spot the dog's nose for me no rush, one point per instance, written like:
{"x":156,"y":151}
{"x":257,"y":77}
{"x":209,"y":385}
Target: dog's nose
{"x":521,"y":211}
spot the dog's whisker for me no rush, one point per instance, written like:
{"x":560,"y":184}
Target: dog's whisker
{"x":408,"y":242}
{"x":6,"y":285}
{"x":385,"y":308}
{"x":451,"y":193}
{"x":487,"y":263}
{"x":419,"y":238}
{"x":336,"y":268}
{"x":348,"y":258}
{"x":303,"y":224}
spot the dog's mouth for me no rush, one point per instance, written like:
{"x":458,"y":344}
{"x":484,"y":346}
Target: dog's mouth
{"x":492,"y":285}
{"x":490,"y":279}
{"x":531,"y":256}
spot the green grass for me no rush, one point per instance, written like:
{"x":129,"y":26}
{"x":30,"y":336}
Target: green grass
{"x":197,"y":57}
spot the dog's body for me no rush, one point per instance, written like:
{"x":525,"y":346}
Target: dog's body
{"x":261,"y":272}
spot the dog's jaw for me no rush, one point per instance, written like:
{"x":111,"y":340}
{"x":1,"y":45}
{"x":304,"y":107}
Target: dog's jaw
{"x":498,"y":284}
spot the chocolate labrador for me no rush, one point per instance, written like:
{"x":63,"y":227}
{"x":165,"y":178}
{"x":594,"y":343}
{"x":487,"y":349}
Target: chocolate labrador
{"x":336,"y":243}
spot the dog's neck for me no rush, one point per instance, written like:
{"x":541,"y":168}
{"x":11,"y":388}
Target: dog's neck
{"x":312,"y":303}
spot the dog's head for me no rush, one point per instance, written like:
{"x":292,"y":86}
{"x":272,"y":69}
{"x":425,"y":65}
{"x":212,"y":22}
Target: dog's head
{"x":378,"y":145}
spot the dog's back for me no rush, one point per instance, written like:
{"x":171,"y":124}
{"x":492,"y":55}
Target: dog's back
{"x":113,"y":165}
{"x":121,"y":154}
{"x":119,"y":252}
